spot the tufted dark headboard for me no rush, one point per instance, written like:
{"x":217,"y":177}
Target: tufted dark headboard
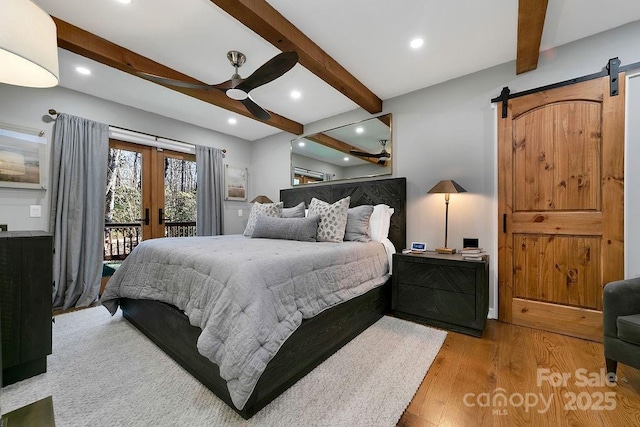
{"x":392,"y":192}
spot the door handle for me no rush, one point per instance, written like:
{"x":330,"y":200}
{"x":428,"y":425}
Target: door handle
{"x":504,"y":223}
{"x":160,"y":216}
{"x":146,"y":219}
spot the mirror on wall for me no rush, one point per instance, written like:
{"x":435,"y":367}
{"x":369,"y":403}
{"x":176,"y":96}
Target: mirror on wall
{"x":357,"y":150}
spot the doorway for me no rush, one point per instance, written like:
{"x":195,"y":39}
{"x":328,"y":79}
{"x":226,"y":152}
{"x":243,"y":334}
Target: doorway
{"x":150,"y":193}
{"x":561,"y":206}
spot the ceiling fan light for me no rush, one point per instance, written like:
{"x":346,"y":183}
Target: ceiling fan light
{"x":28,"y":45}
{"x":237,"y":94}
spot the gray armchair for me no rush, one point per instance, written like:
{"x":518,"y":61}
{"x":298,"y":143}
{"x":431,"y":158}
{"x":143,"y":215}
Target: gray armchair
{"x":621,"y":317}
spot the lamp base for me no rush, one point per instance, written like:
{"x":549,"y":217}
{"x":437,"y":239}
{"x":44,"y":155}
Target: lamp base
{"x":449,"y":251}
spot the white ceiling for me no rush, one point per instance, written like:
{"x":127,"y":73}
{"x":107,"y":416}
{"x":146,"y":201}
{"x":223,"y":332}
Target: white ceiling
{"x":370,"y":38}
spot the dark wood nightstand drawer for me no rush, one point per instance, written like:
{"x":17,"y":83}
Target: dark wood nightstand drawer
{"x":437,"y":304}
{"x":438,"y":276}
{"x":446,"y":291}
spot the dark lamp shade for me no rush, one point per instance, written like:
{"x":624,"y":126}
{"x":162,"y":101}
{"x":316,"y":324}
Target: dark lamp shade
{"x":447,"y":186}
{"x":261,"y":199}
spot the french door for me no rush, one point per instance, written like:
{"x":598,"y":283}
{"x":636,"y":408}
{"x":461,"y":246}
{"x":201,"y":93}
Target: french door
{"x":560,"y":201}
{"x":150,"y":193}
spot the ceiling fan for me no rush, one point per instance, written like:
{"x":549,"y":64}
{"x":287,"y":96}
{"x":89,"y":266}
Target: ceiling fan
{"x":382,"y":156}
{"x":238,"y":88}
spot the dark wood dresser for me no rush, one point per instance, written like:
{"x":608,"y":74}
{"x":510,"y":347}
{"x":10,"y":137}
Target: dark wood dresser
{"x":445,"y":291}
{"x":26,"y":262}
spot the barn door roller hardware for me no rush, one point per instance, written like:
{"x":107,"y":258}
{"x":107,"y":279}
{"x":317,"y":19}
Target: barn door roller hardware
{"x":612,"y":69}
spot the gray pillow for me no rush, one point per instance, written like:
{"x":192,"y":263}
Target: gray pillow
{"x":333,"y":218}
{"x":302,"y":229}
{"x":295,"y":212}
{"x":358,"y":224}
{"x":258,"y":209}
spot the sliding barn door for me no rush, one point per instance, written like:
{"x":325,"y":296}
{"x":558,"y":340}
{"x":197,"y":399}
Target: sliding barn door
{"x":560,"y":175}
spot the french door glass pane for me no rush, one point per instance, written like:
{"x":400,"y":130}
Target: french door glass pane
{"x":122,"y":228}
{"x":179,"y":197}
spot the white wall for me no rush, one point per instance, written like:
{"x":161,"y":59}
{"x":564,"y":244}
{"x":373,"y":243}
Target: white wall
{"x":316,"y":165}
{"x":28,"y":108}
{"x":448,"y":131}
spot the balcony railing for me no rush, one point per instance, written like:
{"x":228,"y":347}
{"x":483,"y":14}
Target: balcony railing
{"x":121,"y":238}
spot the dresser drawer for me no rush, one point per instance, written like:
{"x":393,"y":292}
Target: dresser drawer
{"x":437,"y":304}
{"x":458,"y":278}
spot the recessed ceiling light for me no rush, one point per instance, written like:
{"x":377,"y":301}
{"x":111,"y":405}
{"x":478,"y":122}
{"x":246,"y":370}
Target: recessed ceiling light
{"x":346,"y":159}
{"x":359,"y":129}
{"x":124,"y":1}
{"x":296,"y":94}
{"x":232,"y":121}
{"x":416,"y":43}
{"x":301,"y":144}
{"x":83,"y":70}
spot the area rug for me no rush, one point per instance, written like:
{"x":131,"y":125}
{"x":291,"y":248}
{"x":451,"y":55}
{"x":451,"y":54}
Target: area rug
{"x":104,"y":372}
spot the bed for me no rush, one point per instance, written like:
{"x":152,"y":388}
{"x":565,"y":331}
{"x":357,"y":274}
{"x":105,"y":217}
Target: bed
{"x":313,"y":341}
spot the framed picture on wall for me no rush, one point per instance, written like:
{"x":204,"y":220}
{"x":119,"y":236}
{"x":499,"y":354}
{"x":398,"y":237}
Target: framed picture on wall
{"x":22,"y":157}
{"x":235,"y":183}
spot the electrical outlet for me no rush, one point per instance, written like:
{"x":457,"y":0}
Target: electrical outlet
{"x":35,"y":211}
{"x":239,"y":212}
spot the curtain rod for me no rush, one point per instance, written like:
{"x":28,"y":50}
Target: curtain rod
{"x":53,"y":112}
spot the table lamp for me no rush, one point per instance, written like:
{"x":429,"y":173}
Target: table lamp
{"x":446,"y":187}
{"x":261,"y":199}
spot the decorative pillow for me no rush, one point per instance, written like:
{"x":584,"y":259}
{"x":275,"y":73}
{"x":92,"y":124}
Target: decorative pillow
{"x":295,"y":212}
{"x":380,"y":222}
{"x":302,"y":229}
{"x":333,"y":219}
{"x":358,"y":224}
{"x":267,"y":209}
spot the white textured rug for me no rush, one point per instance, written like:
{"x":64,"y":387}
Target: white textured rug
{"x":104,"y":372}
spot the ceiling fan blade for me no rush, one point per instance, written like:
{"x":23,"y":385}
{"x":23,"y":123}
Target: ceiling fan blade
{"x":269,"y":71}
{"x":224,"y":86}
{"x":255,"y":109}
{"x":177,"y":83}
{"x":361,"y":153}
{"x":375,"y":156}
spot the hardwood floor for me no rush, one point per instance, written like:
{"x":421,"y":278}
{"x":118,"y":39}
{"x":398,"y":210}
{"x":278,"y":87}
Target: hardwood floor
{"x":512,"y":376}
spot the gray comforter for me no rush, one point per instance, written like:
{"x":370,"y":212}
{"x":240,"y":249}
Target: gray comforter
{"x":247,"y":295}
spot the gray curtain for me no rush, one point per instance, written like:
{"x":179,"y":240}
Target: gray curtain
{"x":80,"y":151}
{"x":210,"y":189}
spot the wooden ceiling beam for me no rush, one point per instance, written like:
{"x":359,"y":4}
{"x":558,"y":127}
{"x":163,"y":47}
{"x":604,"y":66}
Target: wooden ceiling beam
{"x":336,"y":144}
{"x":531,"y":15}
{"x":260,"y":17}
{"x":84,"y":43}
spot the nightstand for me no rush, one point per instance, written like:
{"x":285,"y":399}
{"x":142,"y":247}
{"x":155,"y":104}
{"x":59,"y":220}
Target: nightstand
{"x":446,"y":291}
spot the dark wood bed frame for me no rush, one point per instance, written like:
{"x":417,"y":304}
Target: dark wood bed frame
{"x":315,"y":340}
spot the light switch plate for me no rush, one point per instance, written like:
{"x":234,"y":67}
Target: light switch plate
{"x":35,"y":211}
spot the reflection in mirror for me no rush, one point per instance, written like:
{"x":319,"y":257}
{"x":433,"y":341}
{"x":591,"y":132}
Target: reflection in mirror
{"x":358,"y":150}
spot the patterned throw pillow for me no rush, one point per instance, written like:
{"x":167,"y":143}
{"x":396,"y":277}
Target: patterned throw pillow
{"x":268,"y":209}
{"x":333,"y":218}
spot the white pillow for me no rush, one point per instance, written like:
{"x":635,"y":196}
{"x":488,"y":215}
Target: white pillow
{"x":380,"y":222}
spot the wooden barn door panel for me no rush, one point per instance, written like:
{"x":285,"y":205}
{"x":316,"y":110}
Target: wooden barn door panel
{"x":560,"y":156}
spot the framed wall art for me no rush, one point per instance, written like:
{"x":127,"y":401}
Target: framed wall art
{"x":235,"y":183}
{"x":22,"y":157}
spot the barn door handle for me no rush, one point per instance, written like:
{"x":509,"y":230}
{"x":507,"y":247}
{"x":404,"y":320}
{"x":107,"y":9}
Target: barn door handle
{"x":160,"y":216}
{"x":146,"y":219}
{"x":504,"y":223}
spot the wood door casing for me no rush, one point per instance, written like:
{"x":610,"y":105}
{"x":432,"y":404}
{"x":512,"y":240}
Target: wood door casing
{"x":560,"y":202}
